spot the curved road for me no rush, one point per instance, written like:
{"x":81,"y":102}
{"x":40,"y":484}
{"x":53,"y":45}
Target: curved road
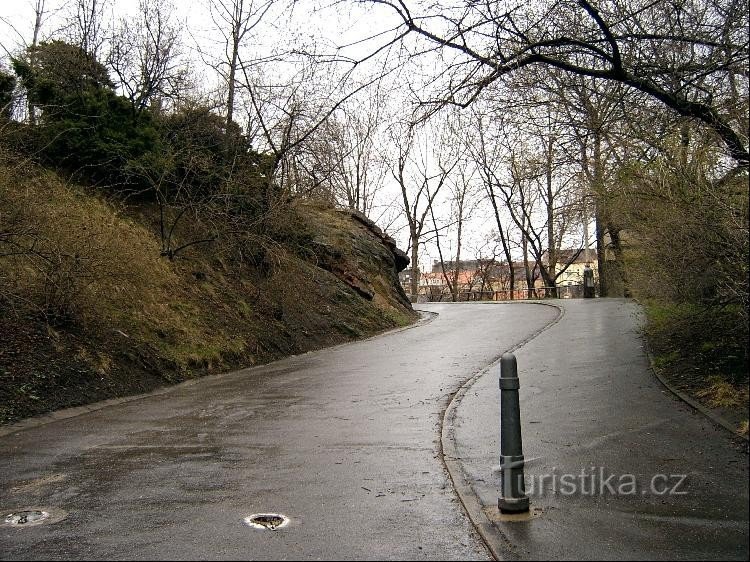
{"x":344,"y":441}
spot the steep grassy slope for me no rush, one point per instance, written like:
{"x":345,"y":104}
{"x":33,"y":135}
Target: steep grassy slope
{"x":89,"y":309}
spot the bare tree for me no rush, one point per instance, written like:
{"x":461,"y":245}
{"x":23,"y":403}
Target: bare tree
{"x":41,"y":12}
{"x":341,"y":160}
{"x":288,"y":112}
{"x":689,"y":56}
{"x":534,"y":185}
{"x":461,"y":198}
{"x":488,"y":270}
{"x":235,"y":20}
{"x":594,"y":115}
{"x":361,"y":171}
{"x":145,"y":55}
{"x":486,"y":154}
{"x":38,"y":19}
{"x":420,"y":181}
{"x":86,"y":25}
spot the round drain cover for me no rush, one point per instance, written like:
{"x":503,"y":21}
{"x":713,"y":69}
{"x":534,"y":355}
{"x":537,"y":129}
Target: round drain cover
{"x":31,"y":516}
{"x":270,"y":521}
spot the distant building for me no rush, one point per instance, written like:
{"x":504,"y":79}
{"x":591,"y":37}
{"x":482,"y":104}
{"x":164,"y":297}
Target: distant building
{"x":490,"y":279}
{"x":573,"y":274}
{"x":404,"y":277}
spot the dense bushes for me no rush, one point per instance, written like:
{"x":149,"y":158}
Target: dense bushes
{"x":198,"y":182}
{"x":687,"y":256}
{"x":692,"y":238}
{"x":78,"y":124}
{"x":7,"y":86}
{"x":76,"y":121}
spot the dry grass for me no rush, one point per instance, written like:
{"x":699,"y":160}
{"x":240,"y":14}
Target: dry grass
{"x":721,"y":394}
{"x":80,"y":263}
{"x":75,"y":257}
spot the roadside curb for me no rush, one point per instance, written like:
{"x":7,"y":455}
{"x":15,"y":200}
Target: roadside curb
{"x":75,"y":411}
{"x":714,"y":417}
{"x":497,"y":543}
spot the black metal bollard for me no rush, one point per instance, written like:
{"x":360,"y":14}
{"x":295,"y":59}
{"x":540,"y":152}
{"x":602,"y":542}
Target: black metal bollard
{"x":513,"y":498}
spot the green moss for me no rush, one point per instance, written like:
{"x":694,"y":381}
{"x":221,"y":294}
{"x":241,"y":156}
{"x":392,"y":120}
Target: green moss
{"x":662,"y":361}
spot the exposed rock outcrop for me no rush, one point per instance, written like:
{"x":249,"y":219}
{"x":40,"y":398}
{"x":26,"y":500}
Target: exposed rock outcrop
{"x":401,"y":259}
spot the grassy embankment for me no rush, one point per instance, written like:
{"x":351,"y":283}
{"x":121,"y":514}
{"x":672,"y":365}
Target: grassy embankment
{"x":89,"y":309}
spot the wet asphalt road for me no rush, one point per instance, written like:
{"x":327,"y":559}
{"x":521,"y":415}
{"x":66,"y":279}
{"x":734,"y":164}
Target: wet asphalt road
{"x":345,"y":441}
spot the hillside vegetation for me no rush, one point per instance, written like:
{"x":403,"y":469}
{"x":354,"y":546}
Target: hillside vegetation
{"x":141,"y":246}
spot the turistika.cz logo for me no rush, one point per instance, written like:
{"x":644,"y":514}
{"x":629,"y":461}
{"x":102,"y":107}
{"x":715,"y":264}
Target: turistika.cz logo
{"x":597,"y":481}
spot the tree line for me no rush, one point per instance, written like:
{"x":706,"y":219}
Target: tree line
{"x":545,"y":119}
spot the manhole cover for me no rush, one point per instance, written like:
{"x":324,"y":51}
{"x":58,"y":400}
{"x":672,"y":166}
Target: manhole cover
{"x":270,"y":521}
{"x":32,"y":516}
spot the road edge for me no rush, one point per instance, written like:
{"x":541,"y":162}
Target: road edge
{"x":493,"y":538}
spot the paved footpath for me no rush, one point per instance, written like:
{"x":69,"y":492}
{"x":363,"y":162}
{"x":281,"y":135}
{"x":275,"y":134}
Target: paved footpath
{"x":592,"y":409}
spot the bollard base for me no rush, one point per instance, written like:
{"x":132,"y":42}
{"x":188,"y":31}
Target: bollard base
{"x":496,"y":516}
{"x":513,"y":505}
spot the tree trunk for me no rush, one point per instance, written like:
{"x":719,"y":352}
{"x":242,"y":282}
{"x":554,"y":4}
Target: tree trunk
{"x":601,"y":261}
{"x":551,"y":249}
{"x":503,"y":239}
{"x":549,"y":280}
{"x":599,"y":212}
{"x":232,"y":71}
{"x":38,"y":18}
{"x":457,"y":268}
{"x":619,"y":261}
{"x":414,"y":266}
{"x":529,"y":276}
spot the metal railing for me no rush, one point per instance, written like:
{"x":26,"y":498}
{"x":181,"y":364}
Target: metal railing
{"x":533,"y":293}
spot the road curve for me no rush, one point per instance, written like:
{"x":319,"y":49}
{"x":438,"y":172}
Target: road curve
{"x":344,"y":441}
